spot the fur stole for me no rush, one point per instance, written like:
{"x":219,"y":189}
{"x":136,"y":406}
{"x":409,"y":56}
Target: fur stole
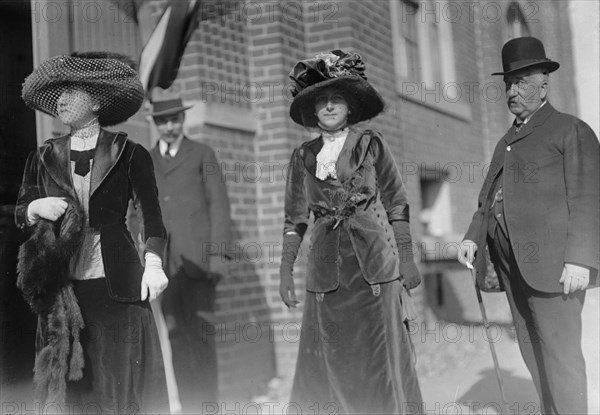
{"x":43,"y":277}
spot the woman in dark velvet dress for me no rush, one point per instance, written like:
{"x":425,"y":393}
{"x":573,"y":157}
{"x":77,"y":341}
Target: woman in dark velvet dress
{"x":355,"y":355}
{"x":97,"y":344}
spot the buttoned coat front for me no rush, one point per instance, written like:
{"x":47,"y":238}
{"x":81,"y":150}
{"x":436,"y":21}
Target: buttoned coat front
{"x":195,"y":207}
{"x":121,"y":171}
{"x":550,"y":179}
{"x":366,"y":197}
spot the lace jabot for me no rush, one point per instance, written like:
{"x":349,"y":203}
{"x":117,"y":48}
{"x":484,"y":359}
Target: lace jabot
{"x":327,"y":157}
{"x":85,"y":138}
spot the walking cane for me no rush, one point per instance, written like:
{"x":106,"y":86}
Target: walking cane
{"x":487,"y":326}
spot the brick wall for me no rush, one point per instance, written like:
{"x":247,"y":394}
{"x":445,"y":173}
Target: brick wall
{"x":216,"y":75}
{"x":274,"y":46}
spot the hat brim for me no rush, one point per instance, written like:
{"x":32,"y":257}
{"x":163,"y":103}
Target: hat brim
{"x":114,"y":84}
{"x":170,"y":111}
{"x":363,"y":100}
{"x":550,"y":66}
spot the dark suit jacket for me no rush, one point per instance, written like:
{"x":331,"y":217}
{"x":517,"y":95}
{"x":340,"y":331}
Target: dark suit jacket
{"x":551,"y":184}
{"x":122,"y":170}
{"x":195,"y":206}
{"x":367,"y":162}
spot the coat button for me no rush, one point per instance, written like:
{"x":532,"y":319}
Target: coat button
{"x":508,"y":148}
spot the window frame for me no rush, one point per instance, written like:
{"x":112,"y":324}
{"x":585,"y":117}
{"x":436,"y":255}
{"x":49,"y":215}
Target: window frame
{"x":425,"y":82}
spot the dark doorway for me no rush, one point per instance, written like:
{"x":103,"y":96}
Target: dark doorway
{"x":17,"y":139}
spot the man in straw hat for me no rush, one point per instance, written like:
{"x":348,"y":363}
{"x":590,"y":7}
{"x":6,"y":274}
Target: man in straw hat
{"x":97,"y":344}
{"x":196,"y":211}
{"x":538,"y":216}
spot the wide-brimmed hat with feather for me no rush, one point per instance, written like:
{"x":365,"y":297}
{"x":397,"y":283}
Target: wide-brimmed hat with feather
{"x":344,"y":71}
{"x":110,"y":79}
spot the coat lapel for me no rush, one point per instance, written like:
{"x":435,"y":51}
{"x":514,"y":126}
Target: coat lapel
{"x":309,"y":155}
{"x":56,"y":161}
{"x":538,"y":119}
{"x":180,"y":158}
{"x":352,"y":154}
{"x":157,"y":160}
{"x":109,"y":148}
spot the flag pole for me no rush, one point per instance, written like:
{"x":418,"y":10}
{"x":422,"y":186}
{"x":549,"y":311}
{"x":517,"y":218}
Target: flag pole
{"x":487,"y":326}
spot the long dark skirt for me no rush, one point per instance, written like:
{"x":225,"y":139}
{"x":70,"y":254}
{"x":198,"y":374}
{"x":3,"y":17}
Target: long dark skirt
{"x":124,"y":371}
{"x":355,"y":355}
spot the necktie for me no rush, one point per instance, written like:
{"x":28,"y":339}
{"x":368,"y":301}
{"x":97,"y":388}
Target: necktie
{"x":82,"y":161}
{"x":167,"y":154}
{"x":518,"y":127}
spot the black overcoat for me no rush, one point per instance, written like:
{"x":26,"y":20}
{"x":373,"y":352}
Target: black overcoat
{"x":551,"y":184}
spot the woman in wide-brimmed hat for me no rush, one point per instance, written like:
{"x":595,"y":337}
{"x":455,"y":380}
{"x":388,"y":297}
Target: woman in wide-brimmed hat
{"x":355,"y":355}
{"x":97,"y":343}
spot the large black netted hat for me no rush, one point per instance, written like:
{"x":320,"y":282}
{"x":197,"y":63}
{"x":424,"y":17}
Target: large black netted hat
{"x":338,"y":69}
{"x":109,"y":78}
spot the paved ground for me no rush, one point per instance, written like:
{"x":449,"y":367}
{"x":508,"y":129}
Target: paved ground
{"x":457,"y":374}
{"x":455,"y":371}
{"x":467,"y":384}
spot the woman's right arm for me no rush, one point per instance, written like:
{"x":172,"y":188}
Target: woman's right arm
{"x":28,"y":192}
{"x":295,"y":224}
{"x":31,"y":203}
{"x":295,"y":204}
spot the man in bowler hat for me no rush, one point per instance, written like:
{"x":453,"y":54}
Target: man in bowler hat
{"x":196,"y":212}
{"x":538,"y":216}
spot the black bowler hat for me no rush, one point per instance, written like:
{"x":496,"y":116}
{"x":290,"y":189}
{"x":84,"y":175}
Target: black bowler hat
{"x":525,"y":52}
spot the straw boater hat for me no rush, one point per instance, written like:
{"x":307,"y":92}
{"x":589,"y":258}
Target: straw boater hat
{"x":110,"y":78}
{"x":525,"y":52}
{"x":338,"y":69}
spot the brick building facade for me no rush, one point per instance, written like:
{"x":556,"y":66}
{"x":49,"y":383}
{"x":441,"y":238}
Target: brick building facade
{"x":431,"y":61}
{"x":441,"y":123}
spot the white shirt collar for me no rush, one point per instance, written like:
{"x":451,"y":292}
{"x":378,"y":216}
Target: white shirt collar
{"x":526,"y":120}
{"x":173,"y":148}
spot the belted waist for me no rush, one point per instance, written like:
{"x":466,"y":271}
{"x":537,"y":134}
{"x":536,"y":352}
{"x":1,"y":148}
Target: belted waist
{"x":324,"y":213}
{"x":340,"y":214}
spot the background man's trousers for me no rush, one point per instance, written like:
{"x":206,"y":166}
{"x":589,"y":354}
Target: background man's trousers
{"x":192,"y":338}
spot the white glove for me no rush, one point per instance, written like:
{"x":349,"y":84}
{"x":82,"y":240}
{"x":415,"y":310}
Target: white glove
{"x":50,"y":208}
{"x":154,"y":280}
{"x":574,"y":277}
{"x":466,"y":253}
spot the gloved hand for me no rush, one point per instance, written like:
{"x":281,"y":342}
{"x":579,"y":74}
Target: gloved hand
{"x":50,"y":208}
{"x":408,"y":268}
{"x":287,"y":291}
{"x":574,"y":277}
{"x":154,"y":280}
{"x":466,"y":253}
